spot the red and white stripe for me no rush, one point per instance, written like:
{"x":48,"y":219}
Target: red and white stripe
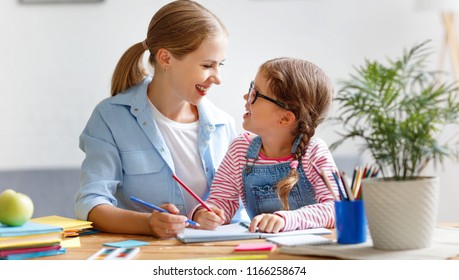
{"x":227,"y":185}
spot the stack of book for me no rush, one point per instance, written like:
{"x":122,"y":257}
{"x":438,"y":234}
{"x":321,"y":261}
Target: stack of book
{"x":31,"y":240}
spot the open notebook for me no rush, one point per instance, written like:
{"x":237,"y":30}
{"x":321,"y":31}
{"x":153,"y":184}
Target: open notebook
{"x":237,"y":232}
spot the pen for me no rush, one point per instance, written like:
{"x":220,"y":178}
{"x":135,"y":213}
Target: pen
{"x":364,"y":171}
{"x":192,"y":193}
{"x":375,"y":173}
{"x":244,"y":224}
{"x":343,"y":197}
{"x":353,"y":178}
{"x":346,"y":187}
{"x":151,"y":206}
{"x":358,"y":182}
{"x":247,"y":226}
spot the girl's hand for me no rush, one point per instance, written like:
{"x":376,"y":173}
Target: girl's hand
{"x":209,"y":220}
{"x":166,"y":225}
{"x":270,"y":223}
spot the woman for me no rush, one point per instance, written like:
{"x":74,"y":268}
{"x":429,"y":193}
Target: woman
{"x":156,"y":126}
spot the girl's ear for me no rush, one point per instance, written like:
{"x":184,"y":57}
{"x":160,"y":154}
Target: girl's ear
{"x":163,"y":57}
{"x":287,"y":118}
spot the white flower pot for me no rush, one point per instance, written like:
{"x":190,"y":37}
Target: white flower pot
{"x":401,"y":214}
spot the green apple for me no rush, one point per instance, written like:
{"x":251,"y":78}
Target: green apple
{"x":15,"y":208}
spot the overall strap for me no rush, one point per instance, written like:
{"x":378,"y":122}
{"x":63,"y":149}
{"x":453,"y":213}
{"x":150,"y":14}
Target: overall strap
{"x":254,"y":148}
{"x":296,"y":143}
{"x":252,"y":154}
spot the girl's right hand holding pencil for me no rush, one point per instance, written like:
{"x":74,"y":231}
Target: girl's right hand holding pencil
{"x":209,"y":220}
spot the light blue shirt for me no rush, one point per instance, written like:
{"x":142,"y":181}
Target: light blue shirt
{"x":127,"y":156}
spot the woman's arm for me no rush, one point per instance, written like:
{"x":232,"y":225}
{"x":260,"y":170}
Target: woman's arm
{"x":162,"y":225}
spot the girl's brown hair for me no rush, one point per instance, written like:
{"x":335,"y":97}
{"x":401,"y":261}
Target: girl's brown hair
{"x":180,"y":27}
{"x":308,"y":93}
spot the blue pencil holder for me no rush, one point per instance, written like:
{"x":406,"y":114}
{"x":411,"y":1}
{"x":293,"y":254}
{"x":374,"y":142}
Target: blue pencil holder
{"x":351,"y":222}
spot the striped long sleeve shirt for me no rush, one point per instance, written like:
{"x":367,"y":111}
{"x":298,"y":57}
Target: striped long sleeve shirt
{"x":227,"y":185}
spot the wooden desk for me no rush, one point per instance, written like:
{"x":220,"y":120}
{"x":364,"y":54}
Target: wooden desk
{"x":170,"y":249}
{"x":173,"y":249}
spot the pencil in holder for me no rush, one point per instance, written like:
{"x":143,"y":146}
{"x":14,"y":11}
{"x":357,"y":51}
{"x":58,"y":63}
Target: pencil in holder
{"x":351,"y":222}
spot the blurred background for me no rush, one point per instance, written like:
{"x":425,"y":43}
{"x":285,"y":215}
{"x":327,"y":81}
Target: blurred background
{"x":56,"y":62}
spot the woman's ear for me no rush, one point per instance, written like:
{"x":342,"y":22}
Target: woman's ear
{"x":287,"y":118}
{"x":163,"y":57}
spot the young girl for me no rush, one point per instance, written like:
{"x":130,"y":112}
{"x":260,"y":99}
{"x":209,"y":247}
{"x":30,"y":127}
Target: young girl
{"x":272,"y":171}
{"x":157,"y":125}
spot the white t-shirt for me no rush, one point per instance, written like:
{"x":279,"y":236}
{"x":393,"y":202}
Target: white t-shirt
{"x":182,"y":140}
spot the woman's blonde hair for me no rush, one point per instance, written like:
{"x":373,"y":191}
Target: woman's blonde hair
{"x":308,"y":93}
{"x":180,"y":27}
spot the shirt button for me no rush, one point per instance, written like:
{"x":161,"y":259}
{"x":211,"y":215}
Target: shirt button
{"x":180,"y":207}
{"x":162,"y":150}
{"x":144,"y":123}
{"x":136,"y":109}
{"x":207,"y":169}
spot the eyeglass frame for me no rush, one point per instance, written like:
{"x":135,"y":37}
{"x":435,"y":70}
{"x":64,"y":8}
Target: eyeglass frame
{"x":259,"y":94}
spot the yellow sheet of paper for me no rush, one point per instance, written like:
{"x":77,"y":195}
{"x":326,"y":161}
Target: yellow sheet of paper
{"x":64,"y":222}
{"x":73,"y":242}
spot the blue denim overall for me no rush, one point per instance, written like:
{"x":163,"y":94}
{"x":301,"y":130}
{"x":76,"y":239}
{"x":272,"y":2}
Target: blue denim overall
{"x":260,"y":181}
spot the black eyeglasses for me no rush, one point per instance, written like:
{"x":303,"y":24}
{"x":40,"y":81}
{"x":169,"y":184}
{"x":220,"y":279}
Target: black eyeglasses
{"x":254,"y":94}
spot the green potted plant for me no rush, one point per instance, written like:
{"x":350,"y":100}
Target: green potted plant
{"x":399,"y":111}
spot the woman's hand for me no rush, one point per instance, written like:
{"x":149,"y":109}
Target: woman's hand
{"x":270,"y":223}
{"x":166,"y":225}
{"x":207,"y":219}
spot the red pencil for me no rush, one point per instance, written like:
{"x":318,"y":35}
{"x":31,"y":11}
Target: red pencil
{"x":192,"y":193}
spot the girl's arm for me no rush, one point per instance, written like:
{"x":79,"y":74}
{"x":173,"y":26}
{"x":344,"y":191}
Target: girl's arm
{"x":227,"y":184}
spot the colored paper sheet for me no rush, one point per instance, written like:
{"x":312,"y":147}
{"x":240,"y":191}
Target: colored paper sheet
{"x":255,"y":247}
{"x":126,"y":244}
{"x":27,"y":229}
{"x":73,"y":242}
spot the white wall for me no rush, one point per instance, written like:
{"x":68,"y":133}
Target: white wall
{"x":56,"y":62}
